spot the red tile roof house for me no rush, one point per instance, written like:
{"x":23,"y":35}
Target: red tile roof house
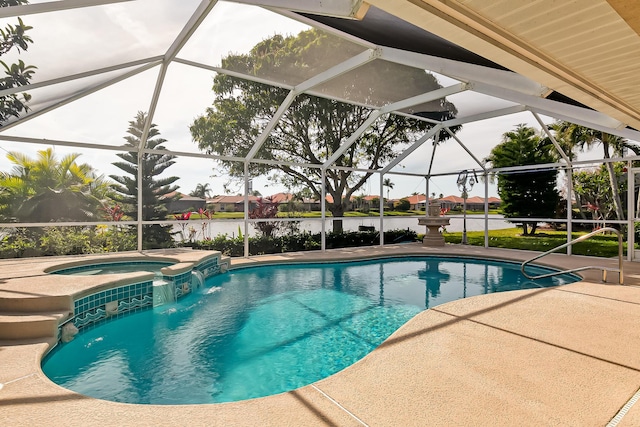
{"x":474,"y":203}
{"x":417,"y":202}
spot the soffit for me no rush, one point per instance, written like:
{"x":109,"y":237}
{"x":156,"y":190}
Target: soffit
{"x":586,"y":50}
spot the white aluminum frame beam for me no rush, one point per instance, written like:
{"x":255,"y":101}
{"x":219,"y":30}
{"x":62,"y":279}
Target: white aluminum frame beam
{"x":464,"y":147}
{"x":224,"y":71}
{"x":348,"y":9}
{"x":352,"y":138}
{"x":389,"y":108}
{"x":52,"y":6}
{"x":97,"y":71}
{"x":433,"y":131}
{"x":190,"y":27}
{"x":484,"y":116}
{"x":592,"y":119}
{"x":552,"y":138}
{"x":465,"y":72}
{"x":333,"y":72}
{"x":79,"y":95}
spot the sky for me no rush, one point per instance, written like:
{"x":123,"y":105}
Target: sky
{"x":88,"y":38}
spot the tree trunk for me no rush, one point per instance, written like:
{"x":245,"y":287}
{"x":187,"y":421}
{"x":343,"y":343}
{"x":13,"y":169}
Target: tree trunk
{"x":337,"y":210}
{"x":613,"y":181}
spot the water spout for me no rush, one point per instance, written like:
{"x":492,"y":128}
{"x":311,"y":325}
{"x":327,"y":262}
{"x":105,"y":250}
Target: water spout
{"x":163,"y":292}
{"x":197,"y":279}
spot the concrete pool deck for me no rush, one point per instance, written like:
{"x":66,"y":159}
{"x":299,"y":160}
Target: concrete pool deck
{"x":565,"y":356}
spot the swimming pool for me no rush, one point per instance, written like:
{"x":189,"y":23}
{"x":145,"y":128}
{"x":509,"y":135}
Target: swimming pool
{"x":264,"y":330}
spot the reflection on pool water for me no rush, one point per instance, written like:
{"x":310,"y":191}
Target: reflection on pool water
{"x":264,"y":330}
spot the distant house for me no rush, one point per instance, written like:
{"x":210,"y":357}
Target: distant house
{"x":281,"y":197}
{"x":184,"y":203}
{"x":231,"y":203}
{"x":417,"y":202}
{"x":474,"y":203}
{"x":451,"y":202}
{"x":494,"y":202}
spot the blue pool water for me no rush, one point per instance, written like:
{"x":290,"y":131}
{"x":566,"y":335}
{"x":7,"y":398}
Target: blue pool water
{"x":264,"y":330}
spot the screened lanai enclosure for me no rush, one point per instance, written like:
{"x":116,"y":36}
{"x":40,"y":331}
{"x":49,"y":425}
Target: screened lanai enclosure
{"x":127,"y":125}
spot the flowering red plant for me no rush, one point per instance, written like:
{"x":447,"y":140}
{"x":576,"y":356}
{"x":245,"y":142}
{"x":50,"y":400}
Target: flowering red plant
{"x":183,"y":216}
{"x":114,"y":213}
{"x":205,"y":212}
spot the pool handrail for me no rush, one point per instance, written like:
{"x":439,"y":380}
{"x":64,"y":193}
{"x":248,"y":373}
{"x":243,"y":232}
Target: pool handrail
{"x":619,"y":270}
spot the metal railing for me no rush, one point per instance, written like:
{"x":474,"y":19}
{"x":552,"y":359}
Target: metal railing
{"x":619,"y":270}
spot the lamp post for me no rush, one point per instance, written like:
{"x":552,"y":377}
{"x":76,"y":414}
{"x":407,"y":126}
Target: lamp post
{"x":463,"y":181}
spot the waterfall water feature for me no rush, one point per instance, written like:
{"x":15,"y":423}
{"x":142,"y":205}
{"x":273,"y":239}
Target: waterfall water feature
{"x":197,"y":279}
{"x":163,"y":292}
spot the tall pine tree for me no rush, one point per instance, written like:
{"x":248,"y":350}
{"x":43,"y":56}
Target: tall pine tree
{"x":155,"y":190}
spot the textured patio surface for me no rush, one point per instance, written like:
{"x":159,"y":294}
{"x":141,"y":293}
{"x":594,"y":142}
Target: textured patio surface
{"x":566,"y":356}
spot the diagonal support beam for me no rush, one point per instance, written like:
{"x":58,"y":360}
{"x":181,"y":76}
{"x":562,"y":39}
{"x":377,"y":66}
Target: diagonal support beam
{"x":464,"y":147}
{"x":405,"y":103}
{"x":425,"y":97}
{"x":51,"y":6}
{"x":433,"y":131}
{"x":79,"y":95}
{"x":553,"y":140}
{"x":272,"y":124}
{"x":352,"y":138}
{"x":82,"y":75}
{"x":554,"y":107}
{"x":187,"y":31}
{"x":348,"y":9}
{"x":190,"y":27}
{"x":331,"y":73}
{"x":486,"y":115}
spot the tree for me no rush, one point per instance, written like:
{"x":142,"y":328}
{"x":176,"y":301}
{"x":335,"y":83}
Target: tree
{"x":593,"y":188}
{"x":47,"y":189}
{"x":202,"y":191}
{"x":312,"y":129}
{"x":387,"y":183}
{"x":530,"y":194}
{"x":580,"y":137}
{"x":17,"y":74}
{"x":403,"y":205}
{"x":156,"y":192}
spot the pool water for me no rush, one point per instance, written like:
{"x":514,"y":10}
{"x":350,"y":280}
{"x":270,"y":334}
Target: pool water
{"x":265,"y":330}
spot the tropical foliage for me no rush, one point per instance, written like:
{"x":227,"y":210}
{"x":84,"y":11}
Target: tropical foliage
{"x":531,"y":194}
{"x":47,"y":189}
{"x":593,"y":188}
{"x":202,"y":191}
{"x":14,"y":37}
{"x":580,"y":138}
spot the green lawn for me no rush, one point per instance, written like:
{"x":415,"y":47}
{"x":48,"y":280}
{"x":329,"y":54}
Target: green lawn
{"x":599,"y":245}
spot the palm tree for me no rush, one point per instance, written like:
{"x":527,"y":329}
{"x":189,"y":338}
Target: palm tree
{"x":387,"y":183}
{"x":202,"y":190}
{"x":45,"y":188}
{"x":582,"y":138}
